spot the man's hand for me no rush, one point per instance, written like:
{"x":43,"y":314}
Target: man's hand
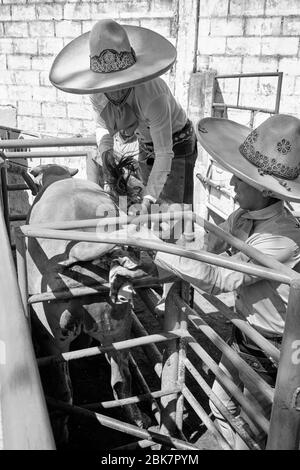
{"x":123,"y":268}
{"x":118,"y":275}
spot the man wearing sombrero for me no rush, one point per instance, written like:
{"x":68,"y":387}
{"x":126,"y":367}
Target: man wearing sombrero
{"x":265,"y":164}
{"x":119,"y":66}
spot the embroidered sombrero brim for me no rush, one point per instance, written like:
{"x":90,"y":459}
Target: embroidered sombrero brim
{"x":71,"y":72}
{"x":221,"y":138}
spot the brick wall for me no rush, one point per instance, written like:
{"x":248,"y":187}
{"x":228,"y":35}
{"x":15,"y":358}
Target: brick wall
{"x":32,"y":32}
{"x":250,"y":36}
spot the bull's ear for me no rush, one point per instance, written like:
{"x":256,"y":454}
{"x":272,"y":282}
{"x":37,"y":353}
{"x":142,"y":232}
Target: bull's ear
{"x":71,"y":171}
{"x":36,"y":171}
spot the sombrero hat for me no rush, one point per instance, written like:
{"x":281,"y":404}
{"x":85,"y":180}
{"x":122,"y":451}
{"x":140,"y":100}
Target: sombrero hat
{"x":267,"y":157}
{"x":111,"y":57}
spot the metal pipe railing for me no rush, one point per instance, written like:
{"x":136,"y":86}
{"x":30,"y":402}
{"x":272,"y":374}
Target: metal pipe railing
{"x":236,"y":319}
{"x":205,"y":419}
{"x":25,"y":420}
{"x":49,"y":154}
{"x":282,"y":273}
{"x":49,"y":142}
{"x":123,"y":426}
{"x":207,"y":257}
{"x":236,"y":422}
{"x":285,"y":418}
{"x":253,"y":410}
{"x":117,"y":346}
{"x":251,"y":379}
{"x":273,"y":270}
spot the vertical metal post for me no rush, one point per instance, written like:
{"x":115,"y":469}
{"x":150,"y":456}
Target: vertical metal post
{"x":238,"y":92}
{"x":25,"y":420}
{"x":285,"y":418}
{"x":278,"y":93}
{"x":185,"y":294}
{"x":3,"y":173}
{"x":22,"y":269}
{"x":169,"y":374}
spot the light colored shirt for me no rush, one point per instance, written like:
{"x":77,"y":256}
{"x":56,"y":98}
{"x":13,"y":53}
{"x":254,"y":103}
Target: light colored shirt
{"x":273,"y":231}
{"x":159,"y":116}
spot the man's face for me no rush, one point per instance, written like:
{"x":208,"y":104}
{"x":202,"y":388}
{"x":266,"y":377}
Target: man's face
{"x":247,"y":197}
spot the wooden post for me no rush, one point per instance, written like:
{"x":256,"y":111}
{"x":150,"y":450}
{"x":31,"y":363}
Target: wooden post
{"x":285,"y":418}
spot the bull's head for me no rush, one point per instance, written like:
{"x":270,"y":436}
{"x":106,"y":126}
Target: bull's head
{"x":44,"y":175}
{"x":120,"y":173}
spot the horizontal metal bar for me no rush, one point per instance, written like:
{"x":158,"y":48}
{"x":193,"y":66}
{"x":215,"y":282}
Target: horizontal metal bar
{"x":207,"y":257}
{"x":112,"y":221}
{"x":213,"y":184}
{"x":244,"y":108}
{"x":17,"y":187}
{"x":130,"y":400}
{"x":282,"y":273}
{"x":49,"y":154}
{"x":49,"y":142}
{"x":246,"y":75}
{"x":15,"y":217}
{"x":123,"y":426}
{"x":118,"y":346}
{"x":147,"y":281}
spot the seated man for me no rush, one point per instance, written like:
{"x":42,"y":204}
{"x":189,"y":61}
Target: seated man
{"x":266,"y":165}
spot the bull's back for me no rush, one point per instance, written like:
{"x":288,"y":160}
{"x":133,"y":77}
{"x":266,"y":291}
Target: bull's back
{"x":65,"y":200}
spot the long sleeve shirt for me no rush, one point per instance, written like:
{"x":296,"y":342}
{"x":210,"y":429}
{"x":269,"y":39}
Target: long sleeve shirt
{"x":273,"y":231}
{"x":158,"y":117}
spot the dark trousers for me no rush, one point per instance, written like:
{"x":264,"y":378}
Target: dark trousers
{"x":179,"y":186}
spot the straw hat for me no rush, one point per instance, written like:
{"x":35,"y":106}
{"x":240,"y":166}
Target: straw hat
{"x":111,"y":57}
{"x":267,"y":158}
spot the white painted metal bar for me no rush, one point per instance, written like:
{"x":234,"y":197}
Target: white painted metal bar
{"x":49,"y":142}
{"x":25,"y":420}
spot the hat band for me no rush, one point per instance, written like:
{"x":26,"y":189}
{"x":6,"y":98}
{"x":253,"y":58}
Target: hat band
{"x":266,"y":164}
{"x":112,"y":61}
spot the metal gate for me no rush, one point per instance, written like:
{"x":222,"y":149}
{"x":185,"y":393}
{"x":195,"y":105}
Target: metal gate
{"x":216,"y":181}
{"x":25,"y":419}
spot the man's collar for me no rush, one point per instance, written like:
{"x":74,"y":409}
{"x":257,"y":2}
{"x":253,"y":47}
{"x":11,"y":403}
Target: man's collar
{"x":266,"y":213}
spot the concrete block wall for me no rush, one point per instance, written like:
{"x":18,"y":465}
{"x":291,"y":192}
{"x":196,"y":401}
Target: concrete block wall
{"x":32,"y":32}
{"x":250,"y":36}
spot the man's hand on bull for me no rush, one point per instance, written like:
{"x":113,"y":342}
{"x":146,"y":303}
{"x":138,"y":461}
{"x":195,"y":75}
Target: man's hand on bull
{"x":118,"y":277}
{"x":125,"y":268}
